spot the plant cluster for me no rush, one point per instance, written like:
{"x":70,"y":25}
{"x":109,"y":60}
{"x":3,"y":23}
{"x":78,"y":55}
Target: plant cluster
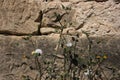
{"x":68,"y":62}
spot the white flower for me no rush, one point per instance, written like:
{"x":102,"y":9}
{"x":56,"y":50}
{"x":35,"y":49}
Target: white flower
{"x":88,"y":72}
{"x":69,"y":44}
{"x":38,"y":51}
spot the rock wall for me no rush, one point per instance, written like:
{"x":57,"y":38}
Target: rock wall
{"x":98,"y":18}
{"x":19,"y":18}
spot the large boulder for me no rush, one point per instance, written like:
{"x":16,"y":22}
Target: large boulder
{"x":96,"y":18}
{"x":17,"y":17}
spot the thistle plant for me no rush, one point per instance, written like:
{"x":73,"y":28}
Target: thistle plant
{"x":37,"y":53}
{"x":74,"y":66}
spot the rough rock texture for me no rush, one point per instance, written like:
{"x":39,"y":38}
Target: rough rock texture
{"x":16,"y":60}
{"x":18,"y":17}
{"x":47,"y":30}
{"x":95,"y":18}
{"x":100,"y":18}
{"x":13,"y":49}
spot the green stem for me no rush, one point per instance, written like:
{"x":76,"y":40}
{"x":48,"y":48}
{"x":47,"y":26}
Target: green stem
{"x":39,"y":67}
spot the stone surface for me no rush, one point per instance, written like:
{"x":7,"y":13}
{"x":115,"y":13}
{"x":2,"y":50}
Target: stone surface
{"x":96,"y":18}
{"x":17,"y":19}
{"x":47,"y":30}
{"x":16,"y":59}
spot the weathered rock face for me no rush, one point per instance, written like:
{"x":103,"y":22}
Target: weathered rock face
{"x":17,"y":19}
{"x":101,"y":18}
{"x":13,"y":50}
{"x":95,"y":18}
{"x":16,"y":59}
